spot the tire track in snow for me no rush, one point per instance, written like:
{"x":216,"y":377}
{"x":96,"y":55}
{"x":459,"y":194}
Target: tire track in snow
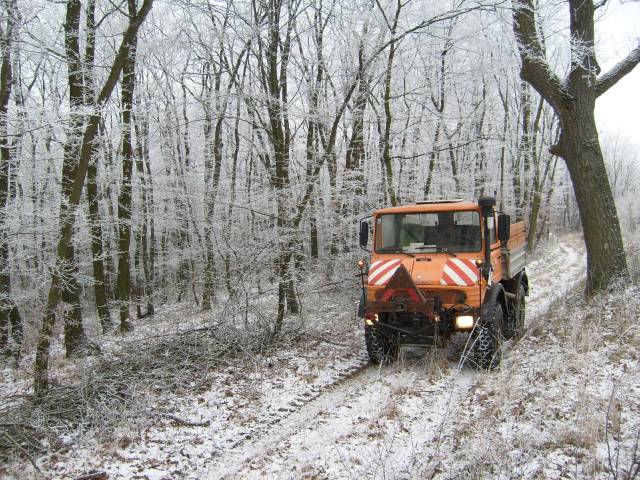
{"x":361,"y":363}
{"x":383,"y":422}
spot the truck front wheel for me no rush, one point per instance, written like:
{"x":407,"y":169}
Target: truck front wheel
{"x":380,"y":348}
{"x":486,"y":340}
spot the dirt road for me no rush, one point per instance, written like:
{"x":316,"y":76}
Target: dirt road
{"x":385,"y":422}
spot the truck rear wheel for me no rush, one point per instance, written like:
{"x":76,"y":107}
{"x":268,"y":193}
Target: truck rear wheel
{"x":380,"y":348}
{"x":514,"y":327}
{"x":486,"y":340}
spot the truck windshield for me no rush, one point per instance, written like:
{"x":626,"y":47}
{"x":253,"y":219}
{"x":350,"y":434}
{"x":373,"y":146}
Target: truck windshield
{"x":429,"y":232}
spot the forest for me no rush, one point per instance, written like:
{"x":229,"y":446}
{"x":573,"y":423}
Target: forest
{"x":216,"y":155}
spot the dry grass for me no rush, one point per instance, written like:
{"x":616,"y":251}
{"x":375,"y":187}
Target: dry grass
{"x":113,"y":392}
{"x":105,"y":400}
{"x":391,"y":411}
{"x":547,"y":409}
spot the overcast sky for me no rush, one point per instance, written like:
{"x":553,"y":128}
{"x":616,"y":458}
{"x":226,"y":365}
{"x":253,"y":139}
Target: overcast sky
{"x":618,"y":110}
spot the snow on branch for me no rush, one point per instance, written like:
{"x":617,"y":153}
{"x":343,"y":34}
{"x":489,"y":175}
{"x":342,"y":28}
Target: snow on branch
{"x":535,"y":68}
{"x":609,"y":79}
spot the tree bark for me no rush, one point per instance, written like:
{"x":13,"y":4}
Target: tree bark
{"x":95,"y":226}
{"x":209,"y":266}
{"x":573,"y":100}
{"x":522,"y":161}
{"x":538,"y":179}
{"x":353,"y":185}
{"x":149,"y":208}
{"x":75,"y":340}
{"x":145,"y":249}
{"x":124,"y":198}
{"x":386,"y":140}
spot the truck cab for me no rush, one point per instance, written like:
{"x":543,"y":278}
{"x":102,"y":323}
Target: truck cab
{"x":437,"y":268}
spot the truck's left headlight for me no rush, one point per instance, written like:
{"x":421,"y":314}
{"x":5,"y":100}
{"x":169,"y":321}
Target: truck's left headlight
{"x":370,"y":319}
{"x":464,"y":322}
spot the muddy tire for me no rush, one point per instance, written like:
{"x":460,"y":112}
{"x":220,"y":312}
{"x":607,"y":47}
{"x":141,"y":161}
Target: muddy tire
{"x":486,"y":340}
{"x":514,"y":326}
{"x":380,"y":349}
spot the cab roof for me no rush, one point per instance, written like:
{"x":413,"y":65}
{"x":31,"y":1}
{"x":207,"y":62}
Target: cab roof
{"x":427,"y":206}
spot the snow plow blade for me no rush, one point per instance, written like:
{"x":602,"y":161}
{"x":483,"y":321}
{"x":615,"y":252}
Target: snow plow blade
{"x":402,"y":295}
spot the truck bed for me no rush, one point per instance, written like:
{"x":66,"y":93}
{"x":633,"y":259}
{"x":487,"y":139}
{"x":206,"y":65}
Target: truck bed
{"x":514,"y":253}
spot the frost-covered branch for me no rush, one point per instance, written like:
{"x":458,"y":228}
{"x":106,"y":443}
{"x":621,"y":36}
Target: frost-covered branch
{"x":609,"y":79}
{"x":535,"y":68}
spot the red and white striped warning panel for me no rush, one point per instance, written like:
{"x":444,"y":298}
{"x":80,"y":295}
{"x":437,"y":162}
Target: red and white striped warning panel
{"x":460,"y":272}
{"x":381,"y":271}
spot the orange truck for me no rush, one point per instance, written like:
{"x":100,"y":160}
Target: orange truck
{"x":438,"y":268}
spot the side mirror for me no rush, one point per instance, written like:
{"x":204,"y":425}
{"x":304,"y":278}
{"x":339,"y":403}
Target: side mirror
{"x":364,"y":233}
{"x":486,"y":204}
{"x":504,"y":227}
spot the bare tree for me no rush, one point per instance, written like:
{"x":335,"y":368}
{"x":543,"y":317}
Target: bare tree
{"x":10,"y":319}
{"x":386,"y":139}
{"x":97,"y":247}
{"x":124,"y":198}
{"x":573,"y":101}
{"x":75,"y":339}
{"x":70,"y":203}
{"x":145,"y":235}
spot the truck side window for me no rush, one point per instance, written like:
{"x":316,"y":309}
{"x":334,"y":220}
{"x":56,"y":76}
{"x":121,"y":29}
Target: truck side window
{"x":387,"y":231}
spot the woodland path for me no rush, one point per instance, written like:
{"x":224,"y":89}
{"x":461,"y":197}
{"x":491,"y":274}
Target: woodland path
{"x":391,"y":421}
{"x":316,"y":408}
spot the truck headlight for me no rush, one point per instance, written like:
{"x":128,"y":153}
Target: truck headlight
{"x":370,"y":318}
{"x":464,"y":322}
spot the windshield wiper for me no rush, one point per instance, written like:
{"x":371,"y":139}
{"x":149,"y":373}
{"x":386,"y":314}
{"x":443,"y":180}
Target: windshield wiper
{"x":425,"y":247}
{"x":393,"y":250}
{"x":446,"y":250}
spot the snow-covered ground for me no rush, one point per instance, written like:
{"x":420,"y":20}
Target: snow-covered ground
{"x":316,"y":409}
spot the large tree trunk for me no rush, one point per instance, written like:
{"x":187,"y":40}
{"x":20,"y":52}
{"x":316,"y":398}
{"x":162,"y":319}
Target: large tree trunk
{"x":95,"y":225}
{"x":97,"y":248}
{"x":606,"y":259}
{"x":277,"y":58}
{"x":75,"y":338}
{"x":573,"y":100}
{"x":213,"y":169}
{"x":76,"y":342}
{"x":232,"y":197}
{"x":124,"y":198}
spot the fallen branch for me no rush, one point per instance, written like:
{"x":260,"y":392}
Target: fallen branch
{"x":24,"y":451}
{"x":178,"y":420}
{"x":94,"y":476}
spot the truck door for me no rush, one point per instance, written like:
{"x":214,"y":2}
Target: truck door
{"x":495,"y":250}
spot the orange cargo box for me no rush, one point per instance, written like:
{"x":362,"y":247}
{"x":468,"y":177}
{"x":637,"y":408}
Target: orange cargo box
{"x":514,"y":255}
